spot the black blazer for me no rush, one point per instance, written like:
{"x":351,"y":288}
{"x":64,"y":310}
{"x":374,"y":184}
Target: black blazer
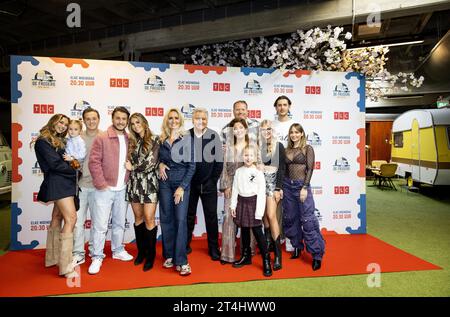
{"x":59,"y":176}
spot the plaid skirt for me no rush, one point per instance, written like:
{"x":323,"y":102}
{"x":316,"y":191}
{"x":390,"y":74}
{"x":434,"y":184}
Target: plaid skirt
{"x":245,"y":212}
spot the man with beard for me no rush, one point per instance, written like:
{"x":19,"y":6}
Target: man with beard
{"x":109,"y":175}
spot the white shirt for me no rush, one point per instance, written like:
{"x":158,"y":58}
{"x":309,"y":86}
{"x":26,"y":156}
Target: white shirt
{"x":76,"y":148}
{"x":122,"y":159}
{"x":282,"y":130}
{"x":249,"y":181}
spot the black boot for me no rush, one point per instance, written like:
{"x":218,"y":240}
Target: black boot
{"x":150,"y":240}
{"x":296,"y":253}
{"x":139,"y":232}
{"x":246,"y":258}
{"x":267,"y":270}
{"x":188,"y":245}
{"x":277,"y":251}
{"x":269,"y":240}
{"x":316,"y":264}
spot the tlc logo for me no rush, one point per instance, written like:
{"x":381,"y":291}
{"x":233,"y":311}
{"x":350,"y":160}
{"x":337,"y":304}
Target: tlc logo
{"x":43,"y":108}
{"x":254,"y":114}
{"x":341,"y":190}
{"x":87,"y":224}
{"x":312,"y":90}
{"x":119,"y":82}
{"x":341,"y":116}
{"x":221,"y":86}
{"x":154,"y":111}
{"x":317,"y":165}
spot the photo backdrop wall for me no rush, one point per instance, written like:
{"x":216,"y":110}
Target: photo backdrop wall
{"x":329,"y":105}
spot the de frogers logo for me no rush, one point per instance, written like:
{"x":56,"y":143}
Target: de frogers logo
{"x":341,"y":90}
{"x":187,"y":111}
{"x":43,"y":79}
{"x":253,"y":87}
{"x":78,"y":108}
{"x":313,"y":139}
{"x":36,"y":169}
{"x":341,"y":165}
{"x":154,"y":84}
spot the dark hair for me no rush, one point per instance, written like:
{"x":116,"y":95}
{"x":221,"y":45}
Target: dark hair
{"x":89,"y":109}
{"x":280,"y":98}
{"x":121,"y":109}
{"x":240,"y":101}
{"x":244,"y":123}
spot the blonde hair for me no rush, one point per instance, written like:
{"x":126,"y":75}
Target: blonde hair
{"x":49,"y":133}
{"x":76,"y":122}
{"x":254,"y":148}
{"x":273,"y":139}
{"x":299,"y":128}
{"x":134,"y":137}
{"x":165,"y":131}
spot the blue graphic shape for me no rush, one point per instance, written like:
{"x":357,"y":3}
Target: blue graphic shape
{"x":15,"y":77}
{"x":148,"y":66}
{"x":361,"y":215}
{"x":257,"y":70}
{"x":361,"y":104}
{"x":16,"y":228}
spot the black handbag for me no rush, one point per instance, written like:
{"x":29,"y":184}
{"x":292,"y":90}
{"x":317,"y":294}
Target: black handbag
{"x":76,"y":198}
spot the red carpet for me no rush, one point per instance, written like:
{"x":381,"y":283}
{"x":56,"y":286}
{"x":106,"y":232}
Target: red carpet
{"x":22,"y":273}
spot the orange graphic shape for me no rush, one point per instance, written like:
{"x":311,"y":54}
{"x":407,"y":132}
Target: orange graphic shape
{"x":298,"y":73}
{"x":205,"y":69}
{"x":16,"y":145}
{"x":69,"y":62}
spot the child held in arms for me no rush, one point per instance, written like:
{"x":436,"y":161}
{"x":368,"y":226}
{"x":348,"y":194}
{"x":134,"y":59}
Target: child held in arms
{"x":75,"y":147}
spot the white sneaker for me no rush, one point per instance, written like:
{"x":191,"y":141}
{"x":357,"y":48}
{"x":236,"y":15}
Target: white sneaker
{"x":289,"y":247}
{"x":184,"y":269}
{"x":94,"y":268}
{"x":78,"y":260}
{"x":168,"y":263}
{"x":123,"y":256}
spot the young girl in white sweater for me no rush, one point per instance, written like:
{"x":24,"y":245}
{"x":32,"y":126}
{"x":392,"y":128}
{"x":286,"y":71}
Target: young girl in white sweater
{"x":248,"y":202}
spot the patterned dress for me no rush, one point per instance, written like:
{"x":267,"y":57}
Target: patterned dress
{"x":143,"y":184}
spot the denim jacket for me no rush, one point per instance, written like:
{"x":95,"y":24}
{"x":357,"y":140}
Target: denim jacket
{"x":179,"y":157}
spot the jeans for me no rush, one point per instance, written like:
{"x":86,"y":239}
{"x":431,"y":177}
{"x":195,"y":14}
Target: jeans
{"x":87,"y":200}
{"x":108,"y":204}
{"x":300,"y":223}
{"x":173,"y":218}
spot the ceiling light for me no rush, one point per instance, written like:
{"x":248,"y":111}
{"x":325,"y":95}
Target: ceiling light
{"x":392,"y":44}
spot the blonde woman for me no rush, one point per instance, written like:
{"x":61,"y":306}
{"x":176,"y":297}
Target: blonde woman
{"x":176,"y":169}
{"x":300,"y":223}
{"x":142,"y":187}
{"x":58,"y":186}
{"x":273,"y":158}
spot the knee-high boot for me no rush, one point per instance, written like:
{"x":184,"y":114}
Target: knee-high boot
{"x":259,"y":235}
{"x":66,"y":266}
{"x":269,"y":240}
{"x":277,"y":251}
{"x":246,"y":255}
{"x":139,"y":233}
{"x":150,"y":243}
{"x":51,"y":254}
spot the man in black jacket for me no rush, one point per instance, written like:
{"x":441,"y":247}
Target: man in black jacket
{"x":209,"y":164}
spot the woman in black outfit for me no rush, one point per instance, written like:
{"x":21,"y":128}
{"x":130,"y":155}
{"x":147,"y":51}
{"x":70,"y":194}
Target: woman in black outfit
{"x":58,"y":186}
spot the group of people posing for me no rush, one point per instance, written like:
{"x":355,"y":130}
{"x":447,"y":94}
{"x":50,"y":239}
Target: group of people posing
{"x":256,"y":166}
